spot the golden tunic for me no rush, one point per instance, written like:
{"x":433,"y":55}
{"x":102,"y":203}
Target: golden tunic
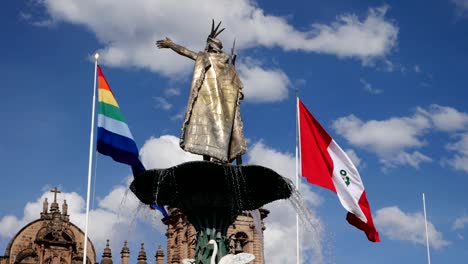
{"x":212,"y":124}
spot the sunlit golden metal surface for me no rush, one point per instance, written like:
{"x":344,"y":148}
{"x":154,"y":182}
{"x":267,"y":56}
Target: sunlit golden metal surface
{"x":212,"y":124}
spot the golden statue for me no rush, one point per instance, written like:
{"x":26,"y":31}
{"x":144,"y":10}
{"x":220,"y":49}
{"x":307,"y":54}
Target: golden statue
{"x":212,"y":126}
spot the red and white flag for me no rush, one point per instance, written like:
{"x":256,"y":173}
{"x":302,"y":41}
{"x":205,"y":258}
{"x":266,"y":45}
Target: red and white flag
{"x":325,"y":164}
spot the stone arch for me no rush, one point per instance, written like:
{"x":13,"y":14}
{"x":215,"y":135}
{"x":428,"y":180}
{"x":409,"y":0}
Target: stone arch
{"x":68,"y":235}
{"x":46,"y":234}
{"x":240,"y":239}
{"x":26,"y":254}
{"x":42,"y":233}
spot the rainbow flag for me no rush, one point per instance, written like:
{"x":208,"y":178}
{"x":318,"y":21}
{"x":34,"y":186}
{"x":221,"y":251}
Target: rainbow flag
{"x":114,"y":138}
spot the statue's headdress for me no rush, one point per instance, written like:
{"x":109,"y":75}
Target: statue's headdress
{"x":212,"y":41}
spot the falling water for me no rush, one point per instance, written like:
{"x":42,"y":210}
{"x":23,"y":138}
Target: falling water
{"x":124,"y":200}
{"x":257,"y":219}
{"x":130,"y":219}
{"x":123,"y":211}
{"x":136,"y":214}
{"x":257,"y":222}
{"x":157,"y":216}
{"x":310,"y":222}
{"x":235,"y":187}
{"x":157,"y":186}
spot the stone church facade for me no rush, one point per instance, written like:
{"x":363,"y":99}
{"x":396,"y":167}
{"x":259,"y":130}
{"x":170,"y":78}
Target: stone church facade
{"x":53,"y":239}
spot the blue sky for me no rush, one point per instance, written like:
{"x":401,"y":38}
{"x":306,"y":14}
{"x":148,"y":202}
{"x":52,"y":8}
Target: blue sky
{"x":386,"y":79}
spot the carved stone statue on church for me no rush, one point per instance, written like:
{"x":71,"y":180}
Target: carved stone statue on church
{"x":212,"y":125}
{"x":45,"y":206}
{"x":65,"y":207}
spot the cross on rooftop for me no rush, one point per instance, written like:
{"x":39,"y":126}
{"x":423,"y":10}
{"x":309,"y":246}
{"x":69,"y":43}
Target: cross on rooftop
{"x":55,"y":191}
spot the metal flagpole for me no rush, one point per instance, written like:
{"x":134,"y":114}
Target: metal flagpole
{"x":90,"y":161}
{"x":298,"y":245}
{"x":427,"y":235}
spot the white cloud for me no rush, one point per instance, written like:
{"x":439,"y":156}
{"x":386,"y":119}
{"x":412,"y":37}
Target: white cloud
{"x":350,"y":37}
{"x":387,"y":138}
{"x":395,"y":140}
{"x":282,"y":163}
{"x":461,"y":7}
{"x":10,"y":224}
{"x":263,"y":85}
{"x":28,"y":17}
{"x":460,"y":222}
{"x":461,"y":146}
{"x":369,"y":88}
{"x":405,"y":158}
{"x":164,"y":152}
{"x":354,"y":157}
{"x":382,"y":136}
{"x":172,"y":92}
{"x":128,"y":30}
{"x":460,"y":160}
{"x":179,"y":116}
{"x":24,"y":16}
{"x":398,"y":225}
{"x":445,"y":118}
{"x":162,"y":103}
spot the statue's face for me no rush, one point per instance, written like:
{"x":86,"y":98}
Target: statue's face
{"x":214,"y":45}
{"x":214,"y":49}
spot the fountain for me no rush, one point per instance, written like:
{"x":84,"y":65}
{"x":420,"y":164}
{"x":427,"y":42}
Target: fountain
{"x":211,"y":195}
{"x":213,"y":192}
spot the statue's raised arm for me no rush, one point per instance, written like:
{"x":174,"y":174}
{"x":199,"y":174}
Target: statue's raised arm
{"x":168,"y":44}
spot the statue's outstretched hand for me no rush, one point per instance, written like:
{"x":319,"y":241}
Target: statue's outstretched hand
{"x":164,"y":43}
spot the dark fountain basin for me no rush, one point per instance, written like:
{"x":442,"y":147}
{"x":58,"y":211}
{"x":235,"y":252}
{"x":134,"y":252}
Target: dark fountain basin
{"x":212,"y":195}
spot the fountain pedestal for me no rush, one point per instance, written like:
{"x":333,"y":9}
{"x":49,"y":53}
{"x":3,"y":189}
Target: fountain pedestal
{"x":211,"y":195}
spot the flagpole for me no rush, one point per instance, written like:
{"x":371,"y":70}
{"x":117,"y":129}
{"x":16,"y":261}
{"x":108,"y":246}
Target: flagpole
{"x":427,"y":235}
{"x":90,"y":161}
{"x":298,"y":247}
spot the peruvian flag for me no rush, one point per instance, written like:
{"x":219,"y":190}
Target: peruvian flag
{"x":325,"y":164}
